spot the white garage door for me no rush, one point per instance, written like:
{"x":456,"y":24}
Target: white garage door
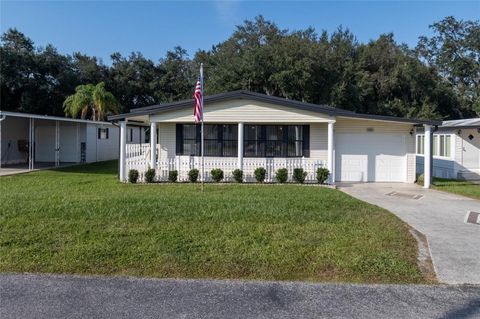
{"x":370,"y":158}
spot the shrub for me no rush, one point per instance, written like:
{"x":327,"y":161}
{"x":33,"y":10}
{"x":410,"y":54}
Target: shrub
{"x":260,"y":173}
{"x":217,"y":174}
{"x":299,"y":175}
{"x":172,"y":176}
{"x":132,"y":176}
{"x":282,"y":175}
{"x":150,"y":175}
{"x":238,"y":175}
{"x":193,"y":175}
{"x":322,"y":175}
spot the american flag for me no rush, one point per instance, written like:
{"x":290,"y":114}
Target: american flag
{"x":198,"y":110}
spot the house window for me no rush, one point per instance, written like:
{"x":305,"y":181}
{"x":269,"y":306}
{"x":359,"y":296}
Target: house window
{"x":103,"y":133}
{"x":220,"y":140}
{"x":421,"y":144}
{"x":276,"y":140}
{"x":441,"y":145}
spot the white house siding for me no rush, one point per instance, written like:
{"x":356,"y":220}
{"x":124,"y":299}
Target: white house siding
{"x":363,"y":126}
{"x":469,"y":151}
{"x":243,"y":111}
{"x":102,"y":149}
{"x":13,"y":130}
{"x":166,"y":140}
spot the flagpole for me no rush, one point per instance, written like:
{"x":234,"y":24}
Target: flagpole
{"x":203,"y":163}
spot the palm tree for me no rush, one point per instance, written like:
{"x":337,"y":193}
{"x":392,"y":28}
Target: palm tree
{"x":90,"y":101}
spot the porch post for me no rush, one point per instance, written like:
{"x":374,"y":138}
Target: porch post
{"x":427,"y":159}
{"x":2,"y":117}
{"x":330,"y":153}
{"x":123,"y":150}
{"x":240,"y":146}
{"x":57,"y":144}
{"x":153,"y":145}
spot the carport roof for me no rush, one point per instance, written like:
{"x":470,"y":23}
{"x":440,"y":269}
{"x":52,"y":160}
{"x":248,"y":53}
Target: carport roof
{"x":247,"y":95}
{"x":51,"y":118}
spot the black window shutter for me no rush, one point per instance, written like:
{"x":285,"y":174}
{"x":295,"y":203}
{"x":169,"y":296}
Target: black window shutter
{"x":198,"y":139}
{"x":106,"y":133}
{"x":99,"y":132}
{"x":179,"y":139}
{"x":306,"y":141}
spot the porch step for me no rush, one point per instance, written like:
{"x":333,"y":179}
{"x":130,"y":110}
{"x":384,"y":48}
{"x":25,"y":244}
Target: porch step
{"x":473,"y":175}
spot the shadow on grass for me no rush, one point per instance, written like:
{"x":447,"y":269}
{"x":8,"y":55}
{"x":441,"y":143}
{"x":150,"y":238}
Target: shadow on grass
{"x":104,"y":168}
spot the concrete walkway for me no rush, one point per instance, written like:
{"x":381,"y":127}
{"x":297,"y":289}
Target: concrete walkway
{"x":56,"y":296}
{"x":454,"y":244}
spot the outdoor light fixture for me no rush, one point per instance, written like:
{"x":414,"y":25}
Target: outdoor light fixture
{"x":459,"y":132}
{"x":411,"y":131}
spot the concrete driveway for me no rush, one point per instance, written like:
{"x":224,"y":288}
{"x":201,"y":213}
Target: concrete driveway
{"x":454,"y":244}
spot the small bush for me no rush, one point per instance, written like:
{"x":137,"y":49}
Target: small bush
{"x":133,"y":176}
{"x":193,"y":175}
{"x":299,"y":175}
{"x":150,"y":175}
{"x":322,"y":175}
{"x":282,"y":175}
{"x":260,"y":173}
{"x":172,"y":176}
{"x":238,"y":175}
{"x":217,"y":175}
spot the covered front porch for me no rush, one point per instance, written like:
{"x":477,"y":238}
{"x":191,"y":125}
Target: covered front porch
{"x":293,"y":151}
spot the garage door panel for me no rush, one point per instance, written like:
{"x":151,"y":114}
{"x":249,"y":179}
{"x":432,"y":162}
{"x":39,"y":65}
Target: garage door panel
{"x":370,"y":157}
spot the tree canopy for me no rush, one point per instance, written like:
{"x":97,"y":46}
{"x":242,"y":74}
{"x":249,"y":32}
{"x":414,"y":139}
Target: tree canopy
{"x":90,"y":101}
{"x":438,"y":79}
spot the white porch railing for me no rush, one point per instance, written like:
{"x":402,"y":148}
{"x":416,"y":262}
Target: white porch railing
{"x":138,"y":157}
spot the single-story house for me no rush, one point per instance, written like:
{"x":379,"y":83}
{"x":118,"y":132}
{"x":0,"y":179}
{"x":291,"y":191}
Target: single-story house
{"x":456,"y":149}
{"x":30,"y":141}
{"x":247,"y":130}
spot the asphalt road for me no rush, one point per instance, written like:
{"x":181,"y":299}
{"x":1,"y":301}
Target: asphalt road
{"x":57,"y":296}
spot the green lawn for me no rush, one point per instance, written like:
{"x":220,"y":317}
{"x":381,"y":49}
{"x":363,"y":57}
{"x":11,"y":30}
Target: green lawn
{"x":82,"y":220}
{"x":458,"y":187}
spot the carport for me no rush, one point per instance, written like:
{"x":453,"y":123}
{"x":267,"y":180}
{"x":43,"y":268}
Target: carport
{"x":31,"y":141}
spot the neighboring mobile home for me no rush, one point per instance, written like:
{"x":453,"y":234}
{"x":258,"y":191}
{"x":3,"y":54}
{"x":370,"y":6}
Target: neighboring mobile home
{"x":33,"y":141}
{"x":247,"y":130}
{"x":456,"y":150}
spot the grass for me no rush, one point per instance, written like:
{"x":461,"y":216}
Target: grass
{"x":459,"y":187}
{"x":82,"y":220}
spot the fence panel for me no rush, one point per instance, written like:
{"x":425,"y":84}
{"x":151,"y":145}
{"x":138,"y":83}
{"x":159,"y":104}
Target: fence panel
{"x":138,"y":157}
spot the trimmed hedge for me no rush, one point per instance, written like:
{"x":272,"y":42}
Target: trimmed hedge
{"x":133,"y":176}
{"x":260,"y":174}
{"x":282,"y":175}
{"x":217,"y":175}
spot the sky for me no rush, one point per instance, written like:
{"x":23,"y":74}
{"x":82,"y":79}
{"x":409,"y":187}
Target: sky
{"x":100,"y":28}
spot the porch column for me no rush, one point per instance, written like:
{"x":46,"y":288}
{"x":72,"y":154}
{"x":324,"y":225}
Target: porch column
{"x":427,"y":159}
{"x":240,"y":146}
{"x":123,"y":150}
{"x":31,"y":142}
{"x":330,"y":153}
{"x":57,"y":144}
{"x":153,"y":145}
{"x":2,"y":117}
